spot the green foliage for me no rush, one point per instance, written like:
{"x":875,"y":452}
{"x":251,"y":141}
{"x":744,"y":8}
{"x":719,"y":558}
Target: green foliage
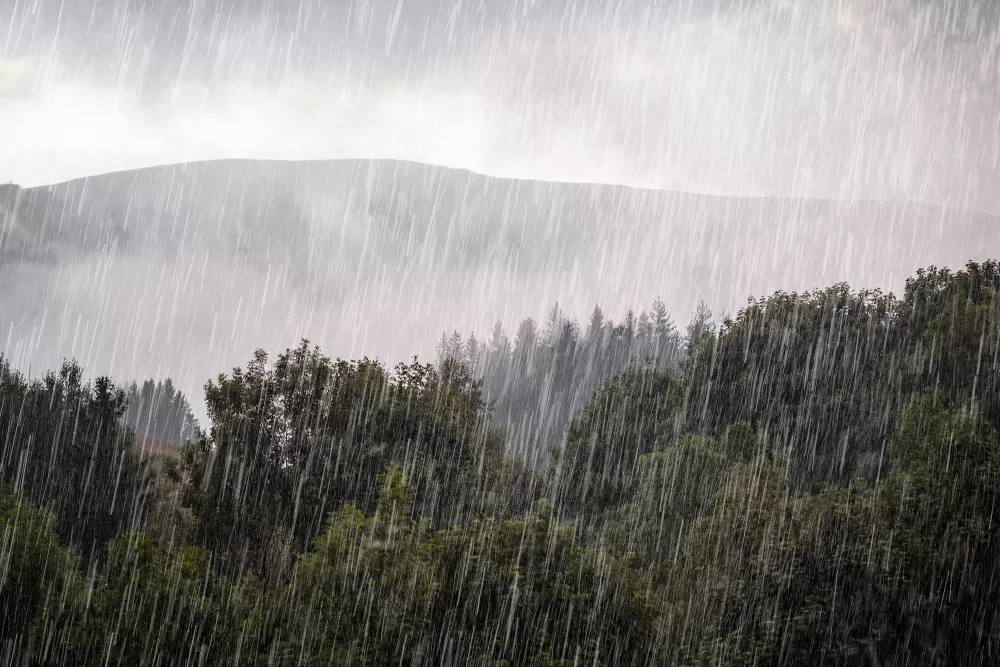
{"x":35,"y":569}
{"x":677,"y":485}
{"x":816,"y":485}
{"x":378,"y":569}
{"x":938,"y":509}
{"x":290,"y":442}
{"x":797,"y":365}
{"x":66,"y":448}
{"x":960,"y":348}
{"x":633,"y":414}
{"x":531,"y":592}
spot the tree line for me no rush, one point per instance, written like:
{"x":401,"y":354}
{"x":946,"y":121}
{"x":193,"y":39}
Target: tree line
{"x":813,"y":480}
{"x":157,"y":410}
{"x":540,"y":378}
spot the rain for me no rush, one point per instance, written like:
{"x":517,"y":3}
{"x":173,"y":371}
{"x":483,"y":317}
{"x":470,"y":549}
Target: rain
{"x":499,"y":332}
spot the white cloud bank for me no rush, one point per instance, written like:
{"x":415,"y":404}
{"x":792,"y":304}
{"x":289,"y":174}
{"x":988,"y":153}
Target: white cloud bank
{"x":833,"y":98}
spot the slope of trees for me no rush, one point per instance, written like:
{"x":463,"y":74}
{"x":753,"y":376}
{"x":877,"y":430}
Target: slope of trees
{"x":290,"y":442}
{"x":814,"y":482}
{"x":158,"y":411}
{"x":541,"y":378}
{"x":64,"y":447}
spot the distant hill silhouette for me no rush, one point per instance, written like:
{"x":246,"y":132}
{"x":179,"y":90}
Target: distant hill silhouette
{"x":182,"y":270}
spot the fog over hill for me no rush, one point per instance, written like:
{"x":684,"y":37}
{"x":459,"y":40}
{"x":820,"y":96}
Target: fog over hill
{"x":183,"y":270}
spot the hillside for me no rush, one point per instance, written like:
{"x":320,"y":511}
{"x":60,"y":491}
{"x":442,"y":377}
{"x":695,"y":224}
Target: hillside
{"x":181,"y":271}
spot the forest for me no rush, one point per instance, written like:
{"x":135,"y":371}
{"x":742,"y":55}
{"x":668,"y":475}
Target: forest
{"x":813,"y":480}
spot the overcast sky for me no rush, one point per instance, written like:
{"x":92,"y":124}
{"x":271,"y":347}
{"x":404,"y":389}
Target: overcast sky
{"x":875,"y":99}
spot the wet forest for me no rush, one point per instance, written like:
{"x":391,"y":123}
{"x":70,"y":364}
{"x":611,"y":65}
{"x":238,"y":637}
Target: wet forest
{"x":812,"y":480}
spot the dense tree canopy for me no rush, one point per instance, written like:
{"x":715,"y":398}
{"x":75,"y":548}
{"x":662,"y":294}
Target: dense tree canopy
{"x":289,"y":442}
{"x":65,"y":448}
{"x":813,"y":481}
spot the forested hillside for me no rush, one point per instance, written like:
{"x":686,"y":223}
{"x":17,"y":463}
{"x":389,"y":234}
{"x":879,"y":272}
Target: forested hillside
{"x":813,"y":480}
{"x":536,"y":381}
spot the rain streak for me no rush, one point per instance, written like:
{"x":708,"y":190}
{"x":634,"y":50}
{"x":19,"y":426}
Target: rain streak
{"x":499,"y":332}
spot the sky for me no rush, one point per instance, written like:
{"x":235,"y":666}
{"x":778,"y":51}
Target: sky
{"x":846,"y":99}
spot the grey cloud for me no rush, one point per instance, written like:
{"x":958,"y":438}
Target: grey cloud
{"x":762,"y":97}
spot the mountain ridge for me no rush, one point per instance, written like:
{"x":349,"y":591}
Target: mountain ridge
{"x":516,"y":179}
